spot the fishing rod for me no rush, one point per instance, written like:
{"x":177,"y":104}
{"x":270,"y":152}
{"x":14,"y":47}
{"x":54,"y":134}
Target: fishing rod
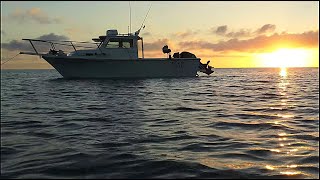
{"x":146,"y":15}
{"x":10,"y":59}
{"x":137,"y":32}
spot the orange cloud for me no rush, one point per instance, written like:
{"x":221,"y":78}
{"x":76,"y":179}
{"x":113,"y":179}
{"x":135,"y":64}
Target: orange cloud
{"x":258,"y":44}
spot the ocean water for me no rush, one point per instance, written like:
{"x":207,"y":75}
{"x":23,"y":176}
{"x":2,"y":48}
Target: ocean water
{"x":235,"y":123}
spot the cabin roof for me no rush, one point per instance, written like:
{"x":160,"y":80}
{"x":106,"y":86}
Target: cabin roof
{"x":102,"y":38}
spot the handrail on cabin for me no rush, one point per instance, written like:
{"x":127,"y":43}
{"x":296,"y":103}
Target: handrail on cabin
{"x":56,"y":42}
{"x":40,"y":40}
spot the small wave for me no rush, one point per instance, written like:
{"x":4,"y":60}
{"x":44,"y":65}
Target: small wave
{"x":25,"y":122}
{"x":42,"y":134}
{"x":249,"y":126}
{"x":196,"y":147}
{"x":186,"y":109}
{"x":231,"y":96}
{"x":168,"y":121}
{"x":260,"y":152}
{"x":234,"y":86}
{"x":123,"y":156}
{"x":252,"y":109}
{"x":92,"y":119}
{"x":309,"y":169}
{"x":29,"y":124}
{"x":263,"y":81}
{"x":314,"y":111}
{"x":39,"y":108}
{"x":199,"y":94}
{"x":241,"y":156}
{"x":309,"y":160}
{"x":256,"y":116}
{"x":160,"y":139}
{"x":223,"y":115}
{"x":71,"y":125}
{"x":111,"y":144}
{"x":7,"y":151}
{"x":62,"y":112}
{"x":308,"y":126}
{"x":18,"y":95}
{"x":269,"y":96}
{"x":96,"y":108}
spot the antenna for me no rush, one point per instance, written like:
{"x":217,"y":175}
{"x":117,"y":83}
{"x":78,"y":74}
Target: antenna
{"x":130,"y":17}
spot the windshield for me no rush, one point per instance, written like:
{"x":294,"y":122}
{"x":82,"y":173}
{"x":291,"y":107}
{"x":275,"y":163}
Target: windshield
{"x":119,"y":43}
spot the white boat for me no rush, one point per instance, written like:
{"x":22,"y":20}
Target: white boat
{"x":116,"y":56}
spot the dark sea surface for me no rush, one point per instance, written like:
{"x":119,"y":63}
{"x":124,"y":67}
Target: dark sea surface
{"x":235,"y":123}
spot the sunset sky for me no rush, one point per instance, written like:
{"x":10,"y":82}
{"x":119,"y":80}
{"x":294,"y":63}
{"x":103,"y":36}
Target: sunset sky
{"x":230,"y":34}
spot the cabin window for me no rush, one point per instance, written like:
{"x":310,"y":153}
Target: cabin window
{"x":119,"y":43}
{"x":127,"y":43}
{"x":113,"y":43}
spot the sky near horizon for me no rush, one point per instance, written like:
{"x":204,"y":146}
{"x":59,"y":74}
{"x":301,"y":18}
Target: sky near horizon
{"x":230,"y":34}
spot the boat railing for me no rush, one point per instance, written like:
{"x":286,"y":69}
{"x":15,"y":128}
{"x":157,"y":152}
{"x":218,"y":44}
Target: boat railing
{"x":54,"y":44}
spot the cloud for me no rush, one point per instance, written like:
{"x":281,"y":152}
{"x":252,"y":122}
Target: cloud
{"x":16,"y":45}
{"x":53,"y":37}
{"x":240,"y":33}
{"x":222,"y":31}
{"x":33,"y":14}
{"x":267,"y":28}
{"x":261,"y":43}
{"x":71,"y":30}
{"x":26,"y":46}
{"x":156,"y":45}
{"x":185,"y":34}
{"x":146,"y":34}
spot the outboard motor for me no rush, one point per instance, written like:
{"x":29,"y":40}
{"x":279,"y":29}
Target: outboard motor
{"x":205,"y":68}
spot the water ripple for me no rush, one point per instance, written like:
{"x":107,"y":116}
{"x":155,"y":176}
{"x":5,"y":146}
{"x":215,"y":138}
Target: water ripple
{"x":236,"y":123}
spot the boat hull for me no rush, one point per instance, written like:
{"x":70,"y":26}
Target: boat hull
{"x":76,"y":67}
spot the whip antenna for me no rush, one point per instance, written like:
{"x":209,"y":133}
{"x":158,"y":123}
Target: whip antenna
{"x":130,"y":17}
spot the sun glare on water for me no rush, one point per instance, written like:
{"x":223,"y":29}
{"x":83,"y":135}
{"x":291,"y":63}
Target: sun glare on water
{"x":283,"y":72}
{"x":285,"y":58}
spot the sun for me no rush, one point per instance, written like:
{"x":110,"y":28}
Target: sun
{"x":285,"y":58}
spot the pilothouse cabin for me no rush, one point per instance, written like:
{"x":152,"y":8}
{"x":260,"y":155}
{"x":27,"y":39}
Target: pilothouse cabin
{"x":114,"y":46}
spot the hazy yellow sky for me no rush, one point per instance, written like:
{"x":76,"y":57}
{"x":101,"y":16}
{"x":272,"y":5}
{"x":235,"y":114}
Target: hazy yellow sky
{"x":230,"y":34}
